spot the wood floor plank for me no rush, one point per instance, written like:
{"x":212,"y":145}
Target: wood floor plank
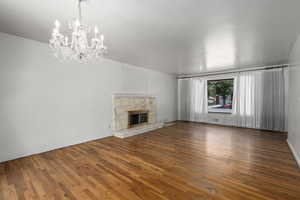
{"x":186,"y":161}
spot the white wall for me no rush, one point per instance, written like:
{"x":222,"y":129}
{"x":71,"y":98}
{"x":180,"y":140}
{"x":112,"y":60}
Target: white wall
{"x":294,"y":101}
{"x":46,"y":104}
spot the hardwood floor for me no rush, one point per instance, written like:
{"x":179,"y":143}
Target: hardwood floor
{"x":187,"y":161}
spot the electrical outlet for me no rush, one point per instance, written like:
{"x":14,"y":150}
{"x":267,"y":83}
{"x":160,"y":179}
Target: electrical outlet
{"x":216,"y":120}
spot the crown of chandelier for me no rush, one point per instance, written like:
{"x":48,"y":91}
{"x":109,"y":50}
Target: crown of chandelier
{"x":79,"y":47}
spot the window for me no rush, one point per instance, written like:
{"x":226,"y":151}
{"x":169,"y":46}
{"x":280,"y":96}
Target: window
{"x":220,"y":94}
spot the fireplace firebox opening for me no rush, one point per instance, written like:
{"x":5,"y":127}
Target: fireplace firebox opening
{"x":137,"y":118}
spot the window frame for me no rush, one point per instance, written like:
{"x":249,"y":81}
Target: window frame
{"x":221,"y":111}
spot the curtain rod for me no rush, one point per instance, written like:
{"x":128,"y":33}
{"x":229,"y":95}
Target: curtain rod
{"x":185,"y":76}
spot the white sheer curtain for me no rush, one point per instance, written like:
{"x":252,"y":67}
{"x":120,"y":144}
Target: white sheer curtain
{"x":192,"y":99}
{"x":259,"y":100}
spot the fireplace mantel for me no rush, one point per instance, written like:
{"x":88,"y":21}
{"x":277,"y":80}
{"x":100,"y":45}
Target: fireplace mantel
{"x":124,"y":95}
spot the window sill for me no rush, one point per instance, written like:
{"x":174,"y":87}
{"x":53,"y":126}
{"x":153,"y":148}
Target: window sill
{"x":220,"y":112}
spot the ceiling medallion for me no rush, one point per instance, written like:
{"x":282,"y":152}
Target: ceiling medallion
{"x":83,"y":44}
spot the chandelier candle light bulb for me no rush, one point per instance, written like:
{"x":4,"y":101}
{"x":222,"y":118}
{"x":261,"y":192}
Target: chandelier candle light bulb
{"x":77,"y":23}
{"x":57,"y":24}
{"x":66,"y":40}
{"x":82,"y":45}
{"x":96,"y":31}
{"x":102,"y":39}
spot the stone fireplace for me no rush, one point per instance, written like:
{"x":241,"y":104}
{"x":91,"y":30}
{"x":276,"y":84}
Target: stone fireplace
{"x":134,"y":114}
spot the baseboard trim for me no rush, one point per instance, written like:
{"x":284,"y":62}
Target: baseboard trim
{"x":230,"y":125}
{"x":296,"y":156}
{"x":53,"y":148}
{"x":169,"y":123}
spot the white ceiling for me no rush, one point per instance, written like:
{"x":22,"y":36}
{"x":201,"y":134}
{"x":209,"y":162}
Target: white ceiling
{"x":174,"y":36}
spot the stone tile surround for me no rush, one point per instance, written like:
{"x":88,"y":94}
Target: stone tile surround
{"x":122,"y":103}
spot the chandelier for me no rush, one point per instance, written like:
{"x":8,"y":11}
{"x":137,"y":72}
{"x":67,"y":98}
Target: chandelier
{"x":84,"y":43}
